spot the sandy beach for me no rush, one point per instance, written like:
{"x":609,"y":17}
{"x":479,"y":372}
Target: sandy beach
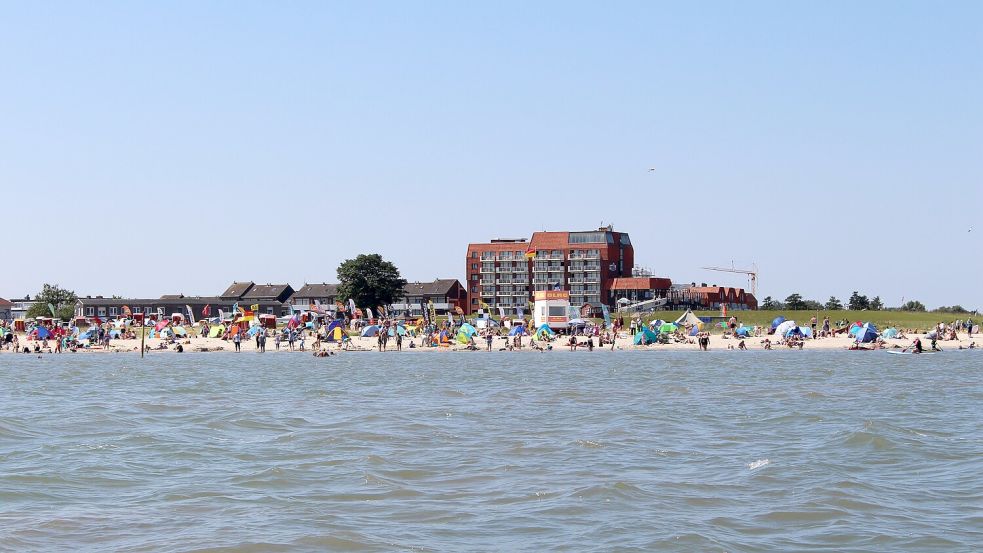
{"x":359,"y":344}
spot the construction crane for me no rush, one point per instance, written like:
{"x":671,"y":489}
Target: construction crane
{"x":751,"y":273}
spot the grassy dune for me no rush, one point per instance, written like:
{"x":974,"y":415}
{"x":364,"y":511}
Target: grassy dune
{"x":918,"y":321}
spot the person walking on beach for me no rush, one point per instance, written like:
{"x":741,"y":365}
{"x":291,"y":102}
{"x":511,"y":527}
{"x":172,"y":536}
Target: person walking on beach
{"x":488,"y":340}
{"x":237,"y":340}
{"x":291,"y":338}
{"x":276,"y":341}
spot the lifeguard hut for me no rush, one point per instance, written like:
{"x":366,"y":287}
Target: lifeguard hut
{"x":552,"y":308}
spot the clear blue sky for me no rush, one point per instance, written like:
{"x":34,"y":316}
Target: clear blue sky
{"x":838,"y":145}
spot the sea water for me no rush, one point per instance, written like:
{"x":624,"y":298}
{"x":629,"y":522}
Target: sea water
{"x":474,"y":451}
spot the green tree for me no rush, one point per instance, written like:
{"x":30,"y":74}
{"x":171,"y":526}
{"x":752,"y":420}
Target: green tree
{"x":769,"y":304}
{"x":62,"y":300}
{"x":952,"y":309}
{"x":913,"y":305}
{"x":794,"y":302}
{"x":876,"y":304}
{"x":858,"y":302}
{"x":812,"y":305}
{"x":833,"y":304}
{"x":370,"y":281}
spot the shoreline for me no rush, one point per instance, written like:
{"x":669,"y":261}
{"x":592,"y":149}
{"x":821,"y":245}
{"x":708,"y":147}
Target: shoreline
{"x":366,"y":345}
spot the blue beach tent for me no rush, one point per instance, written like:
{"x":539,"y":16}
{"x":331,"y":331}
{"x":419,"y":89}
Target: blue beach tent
{"x":778,"y":320}
{"x":867,"y":333}
{"x":370,"y":331}
{"x":647,"y":335}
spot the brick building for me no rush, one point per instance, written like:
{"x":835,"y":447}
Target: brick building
{"x":500,"y":274}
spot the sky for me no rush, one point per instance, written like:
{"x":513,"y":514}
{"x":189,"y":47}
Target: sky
{"x":153,"y":148}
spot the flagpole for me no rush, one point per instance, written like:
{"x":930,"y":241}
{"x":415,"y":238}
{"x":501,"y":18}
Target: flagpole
{"x":143,"y":332}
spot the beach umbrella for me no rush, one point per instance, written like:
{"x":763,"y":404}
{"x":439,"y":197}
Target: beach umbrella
{"x":784,"y":327}
{"x":890,"y":333}
{"x":777,"y":321}
{"x":161,"y":324}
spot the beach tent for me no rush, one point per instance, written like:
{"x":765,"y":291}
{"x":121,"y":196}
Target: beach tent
{"x":688,"y":318}
{"x":647,"y":335}
{"x":867,"y":333}
{"x":335,"y":331}
{"x":694,"y":331}
{"x":216,"y":331}
{"x":465,"y":333}
{"x":890,"y":333}
{"x":253,"y":330}
{"x":517,"y":330}
{"x":41,"y":333}
{"x":167,"y":333}
{"x":668,"y":327}
{"x":445,"y":337}
{"x":806,"y":331}
{"x":179,"y":331}
{"x":777,"y":321}
{"x":90,"y":334}
{"x":744,"y":331}
{"x":656,"y":324}
{"x":544,"y":331}
{"x":161,"y":324}
{"x":370,"y":331}
{"x":794,"y":331}
{"x":784,"y":327}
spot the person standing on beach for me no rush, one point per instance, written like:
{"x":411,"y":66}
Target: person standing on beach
{"x":826,"y":331}
{"x":262,"y":341}
{"x":276,"y":341}
{"x":812,"y":322}
{"x":399,"y":341}
{"x":488,"y":340}
{"x":237,"y":340}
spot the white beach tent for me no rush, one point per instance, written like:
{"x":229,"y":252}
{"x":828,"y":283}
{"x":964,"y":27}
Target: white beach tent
{"x":688,"y":318}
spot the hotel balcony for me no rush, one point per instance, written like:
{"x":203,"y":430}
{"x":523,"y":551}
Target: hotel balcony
{"x":487,"y":269}
{"x":487,"y":282}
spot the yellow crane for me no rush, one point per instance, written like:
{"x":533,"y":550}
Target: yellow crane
{"x":752,"y":274}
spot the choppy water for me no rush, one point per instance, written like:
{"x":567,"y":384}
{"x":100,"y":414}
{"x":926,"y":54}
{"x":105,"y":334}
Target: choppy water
{"x":725,"y":451}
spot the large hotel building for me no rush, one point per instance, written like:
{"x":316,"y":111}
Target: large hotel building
{"x":506,"y":272}
{"x":597,"y":267}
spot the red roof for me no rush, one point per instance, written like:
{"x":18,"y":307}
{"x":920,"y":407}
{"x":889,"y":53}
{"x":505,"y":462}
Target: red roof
{"x":5,"y":303}
{"x":550,"y":240}
{"x":640,"y":283}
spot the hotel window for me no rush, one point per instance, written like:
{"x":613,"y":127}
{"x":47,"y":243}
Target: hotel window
{"x":90,"y":311}
{"x":474,"y":266}
{"x":474,"y":255}
{"x":269,"y":310}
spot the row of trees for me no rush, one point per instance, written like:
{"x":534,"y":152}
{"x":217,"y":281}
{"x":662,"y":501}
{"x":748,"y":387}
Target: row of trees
{"x":857,"y":302}
{"x":368,"y":279}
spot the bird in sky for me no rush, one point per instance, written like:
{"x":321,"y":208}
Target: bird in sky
{"x":651,"y":169}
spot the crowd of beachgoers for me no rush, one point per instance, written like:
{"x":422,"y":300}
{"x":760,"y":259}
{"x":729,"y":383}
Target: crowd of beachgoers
{"x":317,"y":338}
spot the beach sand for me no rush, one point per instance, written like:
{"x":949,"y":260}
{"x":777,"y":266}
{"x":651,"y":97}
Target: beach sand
{"x":623,"y":343}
